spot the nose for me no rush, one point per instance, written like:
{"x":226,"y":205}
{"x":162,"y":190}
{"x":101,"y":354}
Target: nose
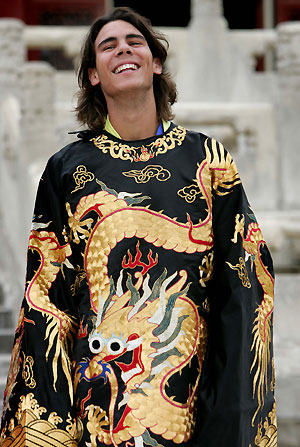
{"x":122,"y":48}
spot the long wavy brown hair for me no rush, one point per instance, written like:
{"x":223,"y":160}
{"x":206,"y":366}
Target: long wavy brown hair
{"x":91,"y":107}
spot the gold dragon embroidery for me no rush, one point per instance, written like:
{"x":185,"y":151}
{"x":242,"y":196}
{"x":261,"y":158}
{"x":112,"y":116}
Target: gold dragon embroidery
{"x":137,"y":221}
{"x":224,"y":171}
{"x":15,"y":363}
{"x":118,"y":219}
{"x":206,"y":269}
{"x":60,"y":326}
{"x":267,"y":431}
{"x":242,"y":272}
{"x":252,"y":243}
{"x":161,"y":327}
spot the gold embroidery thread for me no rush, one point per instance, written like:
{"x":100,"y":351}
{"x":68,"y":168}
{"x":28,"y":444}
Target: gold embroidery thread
{"x":127,"y":320}
{"x":224,"y":171}
{"x":206,"y":269}
{"x":124,"y":151}
{"x":242,"y":272}
{"x":262,"y":323}
{"x":36,"y":430}
{"x":272,"y":384}
{"x":267,"y":431}
{"x":189,"y":193}
{"x":27,"y":373}
{"x":206,"y":305}
{"x":81,"y":177}
{"x":151,"y":171}
{"x":80,"y":276}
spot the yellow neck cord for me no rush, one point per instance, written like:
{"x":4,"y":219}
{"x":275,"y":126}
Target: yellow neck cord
{"x":109,"y":127}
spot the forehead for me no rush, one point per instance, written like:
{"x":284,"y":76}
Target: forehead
{"x":117,"y":29}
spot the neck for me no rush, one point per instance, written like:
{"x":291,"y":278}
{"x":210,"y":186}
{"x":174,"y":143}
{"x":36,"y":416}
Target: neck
{"x":132,"y":118}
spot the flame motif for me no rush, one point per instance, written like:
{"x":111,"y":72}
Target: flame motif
{"x":137,"y":260}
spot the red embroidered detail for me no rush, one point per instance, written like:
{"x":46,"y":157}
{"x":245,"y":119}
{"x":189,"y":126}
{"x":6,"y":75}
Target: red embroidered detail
{"x":137,"y":260}
{"x":82,"y":332}
{"x":192,"y":239}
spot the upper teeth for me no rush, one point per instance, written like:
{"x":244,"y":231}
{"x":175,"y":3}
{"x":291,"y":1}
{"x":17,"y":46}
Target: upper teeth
{"x":125,"y":66}
{"x":126,"y":376}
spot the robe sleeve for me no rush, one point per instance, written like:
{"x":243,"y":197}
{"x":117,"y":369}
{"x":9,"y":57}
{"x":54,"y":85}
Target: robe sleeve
{"x":38,"y":400}
{"x":236,"y":401}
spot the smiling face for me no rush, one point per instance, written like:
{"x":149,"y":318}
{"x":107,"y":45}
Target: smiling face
{"x":124,"y":62}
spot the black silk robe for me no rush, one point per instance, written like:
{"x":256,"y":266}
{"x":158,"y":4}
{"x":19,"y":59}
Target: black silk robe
{"x":147,"y":315}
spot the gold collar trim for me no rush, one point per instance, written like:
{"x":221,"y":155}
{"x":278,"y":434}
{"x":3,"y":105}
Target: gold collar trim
{"x":145,"y":152}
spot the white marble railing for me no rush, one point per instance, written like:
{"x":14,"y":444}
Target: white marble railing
{"x":254,"y":42}
{"x":56,"y":37}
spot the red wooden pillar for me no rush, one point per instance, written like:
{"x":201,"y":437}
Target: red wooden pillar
{"x":287,"y":10}
{"x":12,"y":9}
{"x":33,"y":12}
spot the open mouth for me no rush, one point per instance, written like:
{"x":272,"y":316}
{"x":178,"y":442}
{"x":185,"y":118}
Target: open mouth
{"x":134,"y":368}
{"x":126,"y":67}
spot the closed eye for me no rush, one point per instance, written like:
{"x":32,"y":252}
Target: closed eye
{"x":109,"y":47}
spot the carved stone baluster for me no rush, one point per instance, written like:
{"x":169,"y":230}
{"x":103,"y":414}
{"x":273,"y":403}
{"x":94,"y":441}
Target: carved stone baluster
{"x":288,"y":65}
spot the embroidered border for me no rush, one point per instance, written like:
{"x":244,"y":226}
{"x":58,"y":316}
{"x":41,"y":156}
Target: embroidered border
{"x":141,"y":153}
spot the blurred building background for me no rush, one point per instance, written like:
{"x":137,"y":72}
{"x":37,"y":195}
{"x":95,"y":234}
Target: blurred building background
{"x":237,"y":67}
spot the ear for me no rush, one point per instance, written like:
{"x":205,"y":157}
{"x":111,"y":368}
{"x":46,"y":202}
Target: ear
{"x":93,"y":76}
{"x":157,"y":67}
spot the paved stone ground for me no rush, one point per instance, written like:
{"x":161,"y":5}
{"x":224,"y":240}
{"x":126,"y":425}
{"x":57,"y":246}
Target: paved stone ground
{"x":287,"y":356}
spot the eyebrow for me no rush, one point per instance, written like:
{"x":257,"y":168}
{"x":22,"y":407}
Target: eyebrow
{"x":128,"y":36}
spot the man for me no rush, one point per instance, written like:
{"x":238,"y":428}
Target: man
{"x":147,"y":317}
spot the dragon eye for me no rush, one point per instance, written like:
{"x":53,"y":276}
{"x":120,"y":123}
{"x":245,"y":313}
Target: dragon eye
{"x":115,"y":346}
{"x":96,"y":344}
